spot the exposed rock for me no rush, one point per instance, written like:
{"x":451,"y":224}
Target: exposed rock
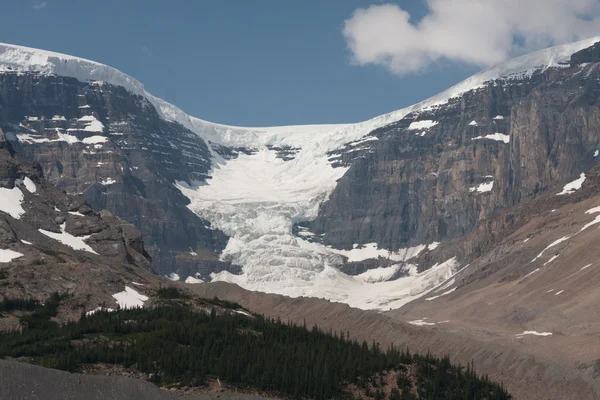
{"x":112,"y":147}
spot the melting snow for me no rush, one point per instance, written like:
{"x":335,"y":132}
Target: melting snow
{"x":499,"y":137}
{"x":8,"y":255}
{"x":11,"y":202}
{"x":75,"y":242}
{"x":571,"y":187}
{"x":130,"y":298}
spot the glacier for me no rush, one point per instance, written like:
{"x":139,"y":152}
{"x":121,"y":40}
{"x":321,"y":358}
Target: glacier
{"x":257,"y":198}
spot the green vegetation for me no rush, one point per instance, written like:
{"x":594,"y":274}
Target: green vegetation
{"x":178,"y":346}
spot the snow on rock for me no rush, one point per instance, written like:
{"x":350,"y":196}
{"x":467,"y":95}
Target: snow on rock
{"x":29,"y":185}
{"x":130,"y":298}
{"x":554,"y":257}
{"x":586,"y":267}
{"x":483,"y":188}
{"x":473,"y":123}
{"x":557,"y":293}
{"x":95,"y":139}
{"x":499,"y":137}
{"x":571,"y":187}
{"x":422,"y":125}
{"x":596,"y":220}
{"x":421,"y":322}
{"x":497,"y":117}
{"x":533,"y":333}
{"x":58,"y":118}
{"x":192,"y":280}
{"x":75,"y":242}
{"x":76,"y":213}
{"x":11,"y":201}
{"x":7,"y":255}
{"x":596,"y":153}
{"x":26,"y":242}
{"x":107,"y":181}
{"x":556,"y":242}
{"x":92,"y":124}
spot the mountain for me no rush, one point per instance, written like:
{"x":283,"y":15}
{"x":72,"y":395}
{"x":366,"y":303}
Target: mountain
{"x":352,"y":213}
{"x":53,"y":242}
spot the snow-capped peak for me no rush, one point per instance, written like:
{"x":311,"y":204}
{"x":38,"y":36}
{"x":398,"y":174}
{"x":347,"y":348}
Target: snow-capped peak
{"x":325,"y":137}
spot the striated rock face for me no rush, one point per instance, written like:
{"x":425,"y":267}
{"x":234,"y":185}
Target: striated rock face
{"x":51,"y":241}
{"x":113,"y":148}
{"x":435,"y":174}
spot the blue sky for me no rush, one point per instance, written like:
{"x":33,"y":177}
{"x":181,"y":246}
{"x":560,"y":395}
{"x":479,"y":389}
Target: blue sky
{"x":252,"y":63}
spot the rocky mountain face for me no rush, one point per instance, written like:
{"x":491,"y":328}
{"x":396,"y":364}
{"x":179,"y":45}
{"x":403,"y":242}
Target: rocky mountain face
{"x":51,"y":241}
{"x":273,"y":209}
{"x":110,"y":146}
{"x":435,"y":174}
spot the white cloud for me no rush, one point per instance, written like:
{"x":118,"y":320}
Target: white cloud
{"x":477,"y":32}
{"x":39,"y":6}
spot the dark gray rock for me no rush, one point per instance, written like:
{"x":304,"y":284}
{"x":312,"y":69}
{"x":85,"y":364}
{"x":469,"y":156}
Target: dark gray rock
{"x":131,"y":174}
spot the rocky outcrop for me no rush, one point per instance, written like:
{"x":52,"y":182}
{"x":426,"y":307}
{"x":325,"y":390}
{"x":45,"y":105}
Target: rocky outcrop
{"x":435,"y":174}
{"x":51,"y":241}
{"x":114,"y":149}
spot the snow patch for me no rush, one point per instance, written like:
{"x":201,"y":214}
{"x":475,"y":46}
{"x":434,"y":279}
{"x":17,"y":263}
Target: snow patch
{"x":193,"y":280}
{"x":556,"y":242}
{"x":534,"y":333}
{"x":29,"y":185}
{"x":107,"y":181}
{"x":571,"y":187}
{"x":26,"y":242}
{"x":586,"y":267}
{"x":7,"y":255}
{"x":130,"y":298}
{"x":557,"y":293}
{"x":421,"y":322}
{"x":11,"y":201}
{"x":95,"y":139}
{"x":596,"y":153}
{"x":76,"y":213}
{"x":499,"y":137}
{"x":422,"y":125}
{"x":554,"y":257}
{"x":483,"y":188}
{"x":75,"y":242}
{"x":473,"y":123}
{"x":497,"y":117}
